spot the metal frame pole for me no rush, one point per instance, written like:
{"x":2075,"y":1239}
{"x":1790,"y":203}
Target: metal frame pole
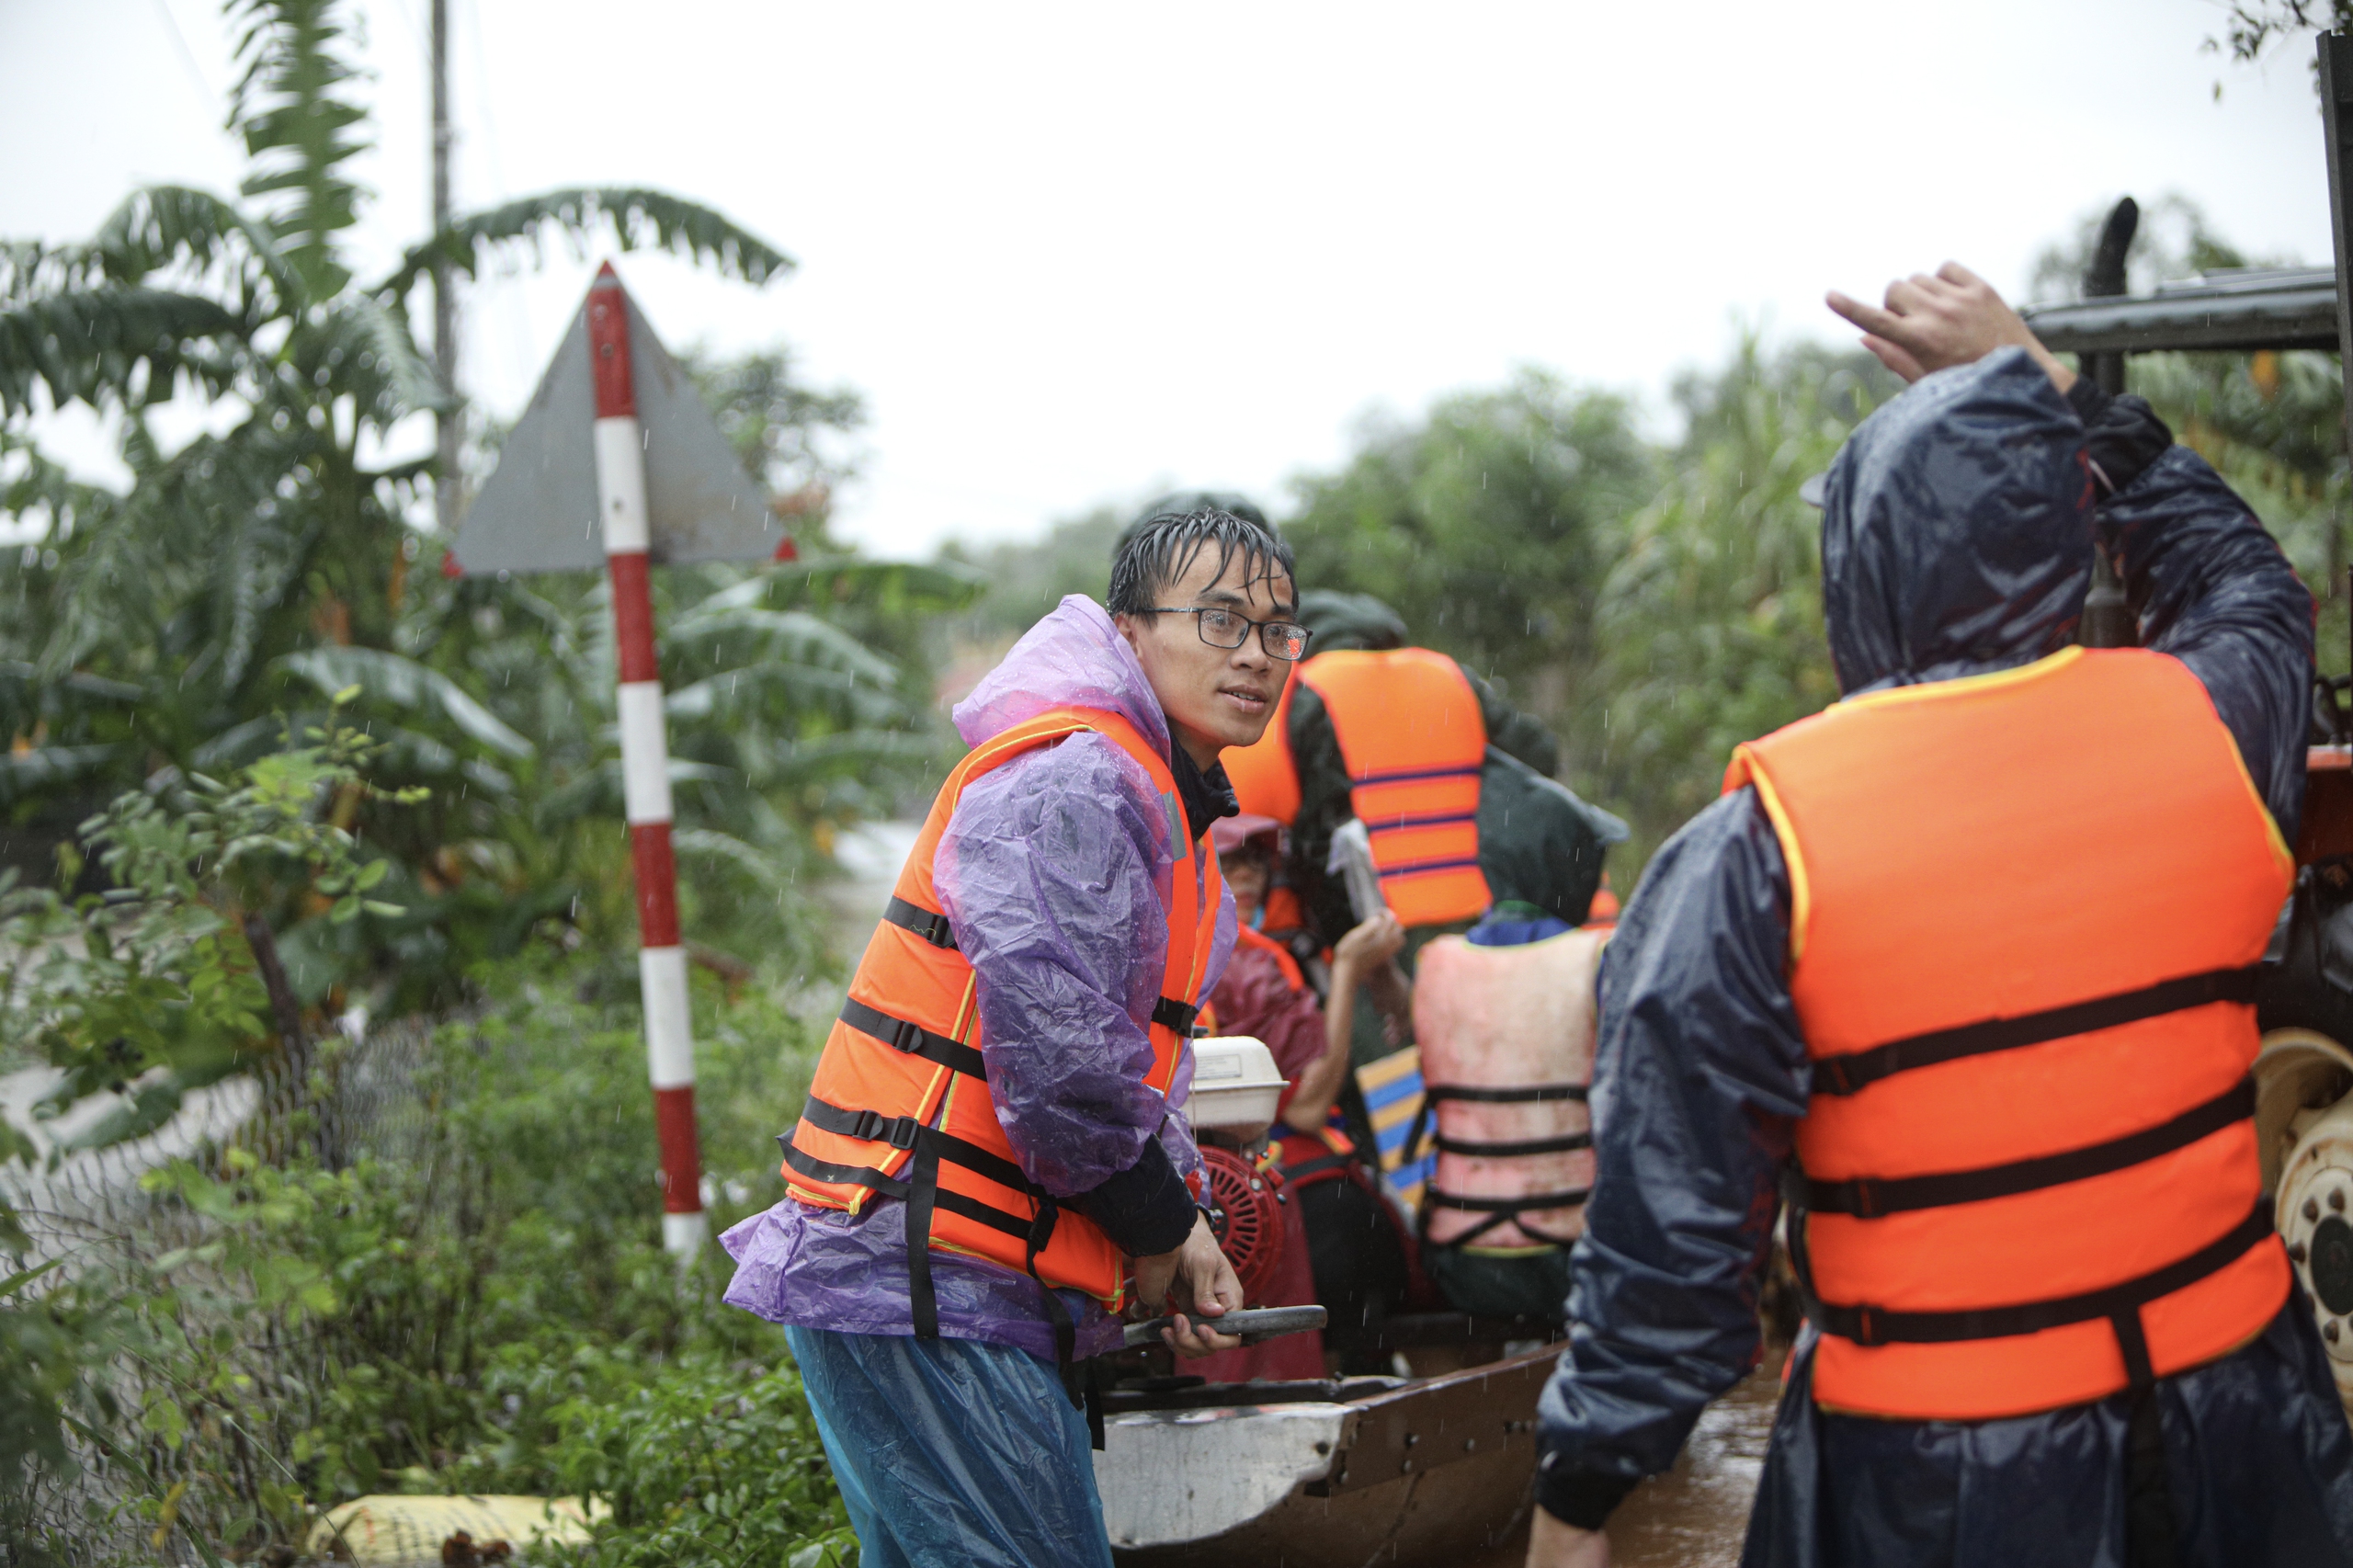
{"x":2336,"y":91}
{"x":645,"y":765}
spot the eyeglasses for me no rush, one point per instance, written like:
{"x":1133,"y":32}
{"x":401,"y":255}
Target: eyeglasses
{"x":1224,"y":629}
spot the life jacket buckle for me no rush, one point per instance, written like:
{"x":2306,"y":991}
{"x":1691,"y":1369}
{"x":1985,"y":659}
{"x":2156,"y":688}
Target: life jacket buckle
{"x":906,"y":1036}
{"x":1866,"y":1331}
{"x":899,"y":1131}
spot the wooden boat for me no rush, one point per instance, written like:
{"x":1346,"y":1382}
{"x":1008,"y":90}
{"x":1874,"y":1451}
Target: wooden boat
{"x":1330,"y":1474}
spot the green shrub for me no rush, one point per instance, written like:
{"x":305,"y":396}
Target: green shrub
{"x":478,"y":1301}
{"x":711,"y":1462}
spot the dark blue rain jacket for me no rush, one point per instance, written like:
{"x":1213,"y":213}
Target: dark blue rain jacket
{"x":1957,"y":539}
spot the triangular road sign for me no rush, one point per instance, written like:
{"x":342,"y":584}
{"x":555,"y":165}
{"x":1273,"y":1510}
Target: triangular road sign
{"x":538,"y":511}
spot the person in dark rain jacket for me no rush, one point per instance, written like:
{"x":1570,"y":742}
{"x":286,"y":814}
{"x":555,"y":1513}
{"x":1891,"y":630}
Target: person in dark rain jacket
{"x":1957,"y":546}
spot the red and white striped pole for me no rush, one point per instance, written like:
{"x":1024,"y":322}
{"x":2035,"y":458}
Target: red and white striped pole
{"x":645,"y":766}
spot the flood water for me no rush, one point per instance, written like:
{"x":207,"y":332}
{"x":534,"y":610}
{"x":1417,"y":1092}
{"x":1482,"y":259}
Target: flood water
{"x":1695,"y":1515}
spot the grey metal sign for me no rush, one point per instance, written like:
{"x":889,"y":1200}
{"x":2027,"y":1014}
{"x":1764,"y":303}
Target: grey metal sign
{"x":538,"y":511}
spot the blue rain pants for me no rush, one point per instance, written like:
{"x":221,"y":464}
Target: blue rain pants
{"x":953,"y":1451}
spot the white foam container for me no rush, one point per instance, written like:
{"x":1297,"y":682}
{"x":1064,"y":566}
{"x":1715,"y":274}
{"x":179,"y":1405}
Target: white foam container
{"x":1235,"y":1086}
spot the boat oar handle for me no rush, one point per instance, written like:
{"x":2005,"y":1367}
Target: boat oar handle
{"x":1253,"y":1324}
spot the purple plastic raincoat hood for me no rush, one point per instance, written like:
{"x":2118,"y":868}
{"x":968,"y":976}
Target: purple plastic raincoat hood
{"x":1073,"y":658}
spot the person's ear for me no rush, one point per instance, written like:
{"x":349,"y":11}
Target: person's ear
{"x":1131,"y":626}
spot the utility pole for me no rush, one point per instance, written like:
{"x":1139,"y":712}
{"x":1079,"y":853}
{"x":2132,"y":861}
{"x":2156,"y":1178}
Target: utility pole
{"x":447,"y":426}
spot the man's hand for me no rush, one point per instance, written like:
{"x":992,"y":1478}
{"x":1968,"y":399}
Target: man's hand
{"x":1552,"y":1544}
{"x":1934,"y":323}
{"x":1195,"y":1279}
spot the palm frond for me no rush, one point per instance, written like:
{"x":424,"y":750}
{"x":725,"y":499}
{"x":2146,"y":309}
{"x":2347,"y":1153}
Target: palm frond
{"x":637,"y":219}
{"x":125,"y":346}
{"x":388,"y":678}
{"x":361,"y":321}
{"x":161,"y":225}
{"x":726,"y":848}
{"x":787,"y":635}
{"x":299,"y":131}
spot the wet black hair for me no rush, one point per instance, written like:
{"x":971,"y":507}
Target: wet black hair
{"x":1164,"y":547}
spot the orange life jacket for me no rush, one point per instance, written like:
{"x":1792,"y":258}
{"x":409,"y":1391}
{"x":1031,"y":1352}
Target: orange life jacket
{"x":1415,"y":742}
{"x":899,"y":1103}
{"x":2025,"y":909}
{"x":1264,"y":776}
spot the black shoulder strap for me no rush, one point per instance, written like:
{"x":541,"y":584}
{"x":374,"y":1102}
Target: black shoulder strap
{"x":1854,"y":1071}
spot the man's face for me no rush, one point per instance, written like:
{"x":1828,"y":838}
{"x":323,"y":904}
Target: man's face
{"x":1214,"y":698}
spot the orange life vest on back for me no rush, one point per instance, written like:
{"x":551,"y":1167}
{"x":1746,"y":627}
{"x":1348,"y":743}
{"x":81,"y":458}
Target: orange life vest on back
{"x":900,"y":1104}
{"x":1414,"y":740}
{"x":2023,"y":972}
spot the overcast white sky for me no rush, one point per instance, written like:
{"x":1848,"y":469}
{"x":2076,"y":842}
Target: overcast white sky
{"x":1087,"y":252}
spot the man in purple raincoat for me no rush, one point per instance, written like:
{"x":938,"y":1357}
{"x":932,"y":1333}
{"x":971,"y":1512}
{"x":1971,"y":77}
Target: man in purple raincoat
{"x":1053,"y":872}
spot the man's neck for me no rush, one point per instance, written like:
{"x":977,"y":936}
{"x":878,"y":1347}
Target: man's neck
{"x":1202,"y":750}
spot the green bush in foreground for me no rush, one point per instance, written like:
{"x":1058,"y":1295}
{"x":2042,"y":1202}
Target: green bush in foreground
{"x":477,"y":1301}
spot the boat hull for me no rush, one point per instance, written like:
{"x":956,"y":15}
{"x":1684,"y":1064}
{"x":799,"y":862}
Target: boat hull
{"x":1435,"y":1470}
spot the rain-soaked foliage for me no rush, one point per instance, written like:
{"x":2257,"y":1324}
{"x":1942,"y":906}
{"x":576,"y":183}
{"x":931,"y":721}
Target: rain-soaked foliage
{"x":178,"y":627}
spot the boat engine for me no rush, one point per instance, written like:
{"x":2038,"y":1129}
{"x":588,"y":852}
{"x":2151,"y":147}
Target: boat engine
{"x":1236,"y":1088}
{"x":1245,"y":1199}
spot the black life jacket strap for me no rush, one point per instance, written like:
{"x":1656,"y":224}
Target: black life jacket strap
{"x":1854,"y":1071}
{"x":923,"y":1195}
{"x":1525,"y":1094}
{"x":923,"y":1192}
{"x":931,"y":926}
{"x":1171,"y":1014}
{"x":1506,"y":1207}
{"x":1868,"y":1197}
{"x":955,"y":1202}
{"x":1476,"y":1149}
{"x":907,"y":1132}
{"x":914,"y":1039}
{"x":1877,"y":1326}
{"x":1500,"y":1211}
{"x":1483,"y":1094}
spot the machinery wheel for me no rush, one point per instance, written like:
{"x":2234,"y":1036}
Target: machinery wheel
{"x":2303,"y":1120}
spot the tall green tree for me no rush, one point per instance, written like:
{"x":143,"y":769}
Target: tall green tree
{"x":1486,"y":525}
{"x":245,"y":576}
{"x":1710,"y":627}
